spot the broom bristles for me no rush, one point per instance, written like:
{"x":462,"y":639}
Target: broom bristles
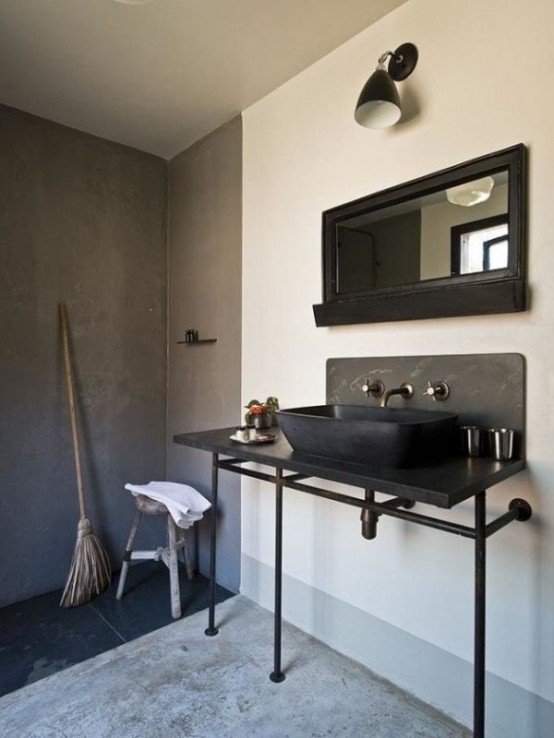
{"x":90,"y":571}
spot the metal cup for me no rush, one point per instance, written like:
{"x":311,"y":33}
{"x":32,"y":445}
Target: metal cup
{"x":501,"y":442}
{"x":472,"y":440}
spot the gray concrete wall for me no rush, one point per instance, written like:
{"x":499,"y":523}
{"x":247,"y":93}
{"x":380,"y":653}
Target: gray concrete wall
{"x":205,"y":237}
{"x":82,"y":220}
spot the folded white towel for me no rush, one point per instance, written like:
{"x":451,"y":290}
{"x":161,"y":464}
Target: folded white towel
{"x":185,"y":504}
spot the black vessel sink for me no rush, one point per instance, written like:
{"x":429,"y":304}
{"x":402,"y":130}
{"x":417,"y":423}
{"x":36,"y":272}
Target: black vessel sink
{"x":375,"y":436}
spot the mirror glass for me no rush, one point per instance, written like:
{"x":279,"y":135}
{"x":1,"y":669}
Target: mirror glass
{"x":449,"y":243}
{"x":454,"y":231}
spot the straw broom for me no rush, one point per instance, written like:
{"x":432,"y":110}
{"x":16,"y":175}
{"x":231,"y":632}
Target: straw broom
{"x":90,"y":571}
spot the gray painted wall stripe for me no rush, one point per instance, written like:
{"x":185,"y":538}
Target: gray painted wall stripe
{"x":428,"y":672}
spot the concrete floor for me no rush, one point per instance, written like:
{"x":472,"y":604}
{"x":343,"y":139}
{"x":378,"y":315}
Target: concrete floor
{"x":178,"y":683}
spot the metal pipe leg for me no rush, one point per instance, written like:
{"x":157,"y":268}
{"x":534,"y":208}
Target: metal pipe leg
{"x":480,"y":612}
{"x":173,"y":566}
{"x":277,"y":675}
{"x":211,"y":630}
{"x":127,"y":555}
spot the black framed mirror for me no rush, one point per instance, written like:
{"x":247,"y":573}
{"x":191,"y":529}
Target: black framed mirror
{"x":448,"y":244}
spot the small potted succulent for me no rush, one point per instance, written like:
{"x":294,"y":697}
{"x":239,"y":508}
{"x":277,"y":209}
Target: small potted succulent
{"x":262,"y":414}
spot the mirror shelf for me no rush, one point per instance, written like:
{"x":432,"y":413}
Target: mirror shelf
{"x":447,"y":244}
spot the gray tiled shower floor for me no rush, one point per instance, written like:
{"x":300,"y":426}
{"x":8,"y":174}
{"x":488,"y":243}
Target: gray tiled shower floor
{"x":38,"y":638}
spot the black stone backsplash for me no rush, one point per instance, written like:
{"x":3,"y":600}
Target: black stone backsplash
{"x":485,"y":389}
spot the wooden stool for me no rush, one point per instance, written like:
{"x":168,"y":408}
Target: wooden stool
{"x":176,"y":542}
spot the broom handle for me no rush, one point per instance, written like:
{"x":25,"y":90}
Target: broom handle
{"x":64,"y":321}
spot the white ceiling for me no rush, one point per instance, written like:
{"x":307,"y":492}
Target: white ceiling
{"x":162,"y":75}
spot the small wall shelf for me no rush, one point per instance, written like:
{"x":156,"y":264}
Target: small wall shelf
{"x":192,"y":338}
{"x":198,"y":340}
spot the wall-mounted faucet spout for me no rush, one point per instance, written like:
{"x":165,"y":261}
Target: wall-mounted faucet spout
{"x":406,"y":390}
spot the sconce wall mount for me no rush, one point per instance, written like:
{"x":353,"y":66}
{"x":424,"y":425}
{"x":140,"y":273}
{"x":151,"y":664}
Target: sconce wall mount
{"x":379,"y":103}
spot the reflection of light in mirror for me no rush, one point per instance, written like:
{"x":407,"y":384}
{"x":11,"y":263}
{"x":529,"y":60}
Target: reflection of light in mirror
{"x":483,"y":250}
{"x":470,"y":193}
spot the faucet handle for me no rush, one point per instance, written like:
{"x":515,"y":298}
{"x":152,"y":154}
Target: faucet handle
{"x":437,"y":390}
{"x":375,"y":388}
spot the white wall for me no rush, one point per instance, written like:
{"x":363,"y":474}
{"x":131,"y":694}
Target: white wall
{"x":475,"y":90}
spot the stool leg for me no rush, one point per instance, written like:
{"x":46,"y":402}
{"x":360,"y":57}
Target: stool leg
{"x":186,"y":554}
{"x":127,"y":555}
{"x":173,"y":568}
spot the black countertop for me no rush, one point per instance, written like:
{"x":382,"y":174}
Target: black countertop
{"x":443,"y":484}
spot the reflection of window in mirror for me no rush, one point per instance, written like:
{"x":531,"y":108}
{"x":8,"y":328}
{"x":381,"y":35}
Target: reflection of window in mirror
{"x":480,"y":246}
{"x":440,"y":216}
{"x":495,"y":253}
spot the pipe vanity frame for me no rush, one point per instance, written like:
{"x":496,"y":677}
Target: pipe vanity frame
{"x":395,"y":507}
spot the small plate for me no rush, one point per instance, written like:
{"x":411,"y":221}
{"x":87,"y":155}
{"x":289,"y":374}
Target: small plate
{"x":261,"y":438}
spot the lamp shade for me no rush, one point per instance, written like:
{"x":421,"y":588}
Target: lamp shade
{"x":379,"y":104}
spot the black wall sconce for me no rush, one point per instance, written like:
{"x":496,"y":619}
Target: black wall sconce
{"x":379,"y":104}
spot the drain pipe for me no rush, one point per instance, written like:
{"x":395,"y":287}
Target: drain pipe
{"x":370,"y":517}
